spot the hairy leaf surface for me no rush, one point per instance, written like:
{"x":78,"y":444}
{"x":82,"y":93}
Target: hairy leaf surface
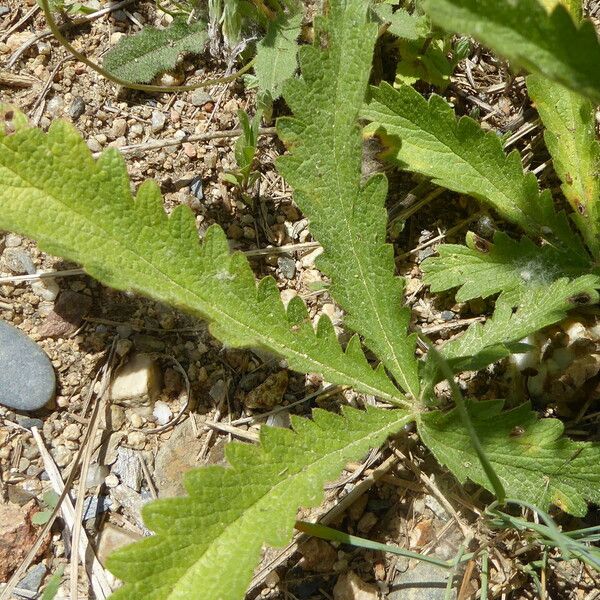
{"x":483,"y":344}
{"x":53,"y":191}
{"x":207,"y":544}
{"x":425,"y":137}
{"x":522,"y":31}
{"x":532,"y":459}
{"x":276,"y":53}
{"x":570,"y":136}
{"x":138,"y":58}
{"x":324,"y":169}
{"x":482,"y":268}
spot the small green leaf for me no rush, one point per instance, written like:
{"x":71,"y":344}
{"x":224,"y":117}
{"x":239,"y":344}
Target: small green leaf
{"x":481,"y":268}
{"x":530,"y":456}
{"x":522,"y":31}
{"x":139,"y":58}
{"x":426,"y":137}
{"x":276,"y":53}
{"x":206,"y":545}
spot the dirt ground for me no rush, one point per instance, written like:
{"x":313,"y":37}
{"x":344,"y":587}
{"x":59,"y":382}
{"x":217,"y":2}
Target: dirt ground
{"x":137,"y":455}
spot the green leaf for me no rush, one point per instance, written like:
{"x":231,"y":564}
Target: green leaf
{"x":534,"y":462}
{"x":483,"y":268}
{"x":139,"y":58}
{"x":570,"y":135}
{"x":539,"y":307}
{"x":425,"y":137}
{"x":53,"y":191}
{"x":206,"y":545}
{"x":522,"y":31}
{"x":276,"y":53}
{"x":348,"y":217}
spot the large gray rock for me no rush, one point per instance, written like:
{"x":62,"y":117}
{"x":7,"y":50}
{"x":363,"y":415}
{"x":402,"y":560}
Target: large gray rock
{"x":27,"y":380}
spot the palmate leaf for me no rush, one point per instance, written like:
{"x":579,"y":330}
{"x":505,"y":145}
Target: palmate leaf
{"x":426,"y":137}
{"x":324,"y":169}
{"x":482,"y":268}
{"x":140,"y":57}
{"x":522,"y":31}
{"x":539,"y":307}
{"x":52,"y":190}
{"x":276,"y":53}
{"x":570,"y":136}
{"x":534,"y":463}
{"x":207,"y":544}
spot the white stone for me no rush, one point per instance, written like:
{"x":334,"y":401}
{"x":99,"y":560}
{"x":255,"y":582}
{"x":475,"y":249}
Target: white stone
{"x":350,"y":586}
{"x":162,"y":412}
{"x":137,"y":382}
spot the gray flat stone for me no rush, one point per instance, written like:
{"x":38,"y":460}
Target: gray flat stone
{"x":27,"y":380}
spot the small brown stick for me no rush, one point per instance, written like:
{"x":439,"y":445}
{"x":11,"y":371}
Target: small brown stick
{"x":236,"y":431}
{"x":148,"y":477}
{"x":451,"y":325}
{"x":198,"y":137}
{"x":16,"y":81}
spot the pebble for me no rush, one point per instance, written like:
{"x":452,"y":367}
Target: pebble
{"x":287,"y":266}
{"x":318,"y":555}
{"x":162,"y":412}
{"x":33,"y":580}
{"x":72,"y":432}
{"x":55,"y":106}
{"x":27,"y":380}
{"x":62,"y":456}
{"x":350,"y":586}
{"x":13,"y":240}
{"x":112,"y":538}
{"x":94,"y":145}
{"x":47,"y":289}
{"x":111,"y":481}
{"x":4,"y":10}
{"x":189,"y":150}
{"x":67,"y":315}
{"x":137,"y":383}
{"x":201,"y":97}
{"x":136,"y":440}
{"x":158,"y":121}
{"x":18,"y":261}
{"x":423,"y":582}
{"x":95,"y":505}
{"x":447,"y":315}
{"x":76,"y":108}
{"x":96,"y":475}
{"x":127,"y":467}
{"x":119,"y":128}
